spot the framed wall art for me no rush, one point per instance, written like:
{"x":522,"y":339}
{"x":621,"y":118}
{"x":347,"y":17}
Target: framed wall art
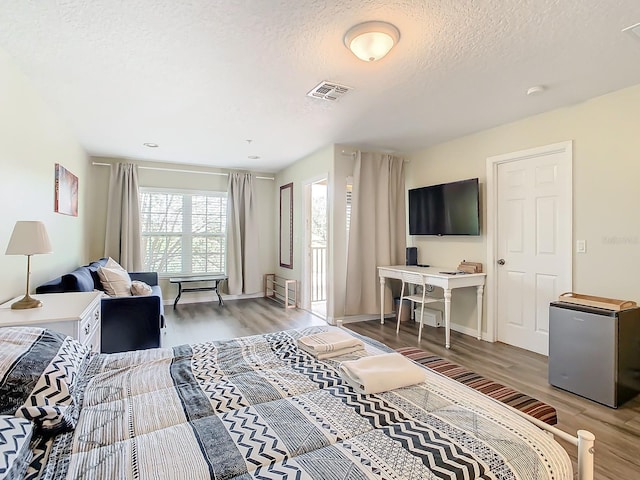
{"x":66,"y":192}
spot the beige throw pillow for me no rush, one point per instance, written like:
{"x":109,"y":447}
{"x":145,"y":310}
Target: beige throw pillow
{"x":140,"y":289}
{"x":111,"y":263}
{"x":115,"y":281}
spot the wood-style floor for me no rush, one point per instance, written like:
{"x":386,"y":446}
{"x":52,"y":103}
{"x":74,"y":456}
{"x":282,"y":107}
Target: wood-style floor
{"x":617,"y":431}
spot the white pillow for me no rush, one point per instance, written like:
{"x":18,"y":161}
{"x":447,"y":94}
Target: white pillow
{"x":140,"y":289}
{"x":111,"y":263}
{"x":115,"y":281}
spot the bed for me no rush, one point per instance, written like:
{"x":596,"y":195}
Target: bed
{"x":248,"y":408}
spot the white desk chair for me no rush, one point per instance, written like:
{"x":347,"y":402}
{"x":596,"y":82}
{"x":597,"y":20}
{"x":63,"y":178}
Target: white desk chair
{"x":409,"y":278}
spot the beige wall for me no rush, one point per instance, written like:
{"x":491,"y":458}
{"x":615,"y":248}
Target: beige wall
{"x":334,"y":162}
{"x":188,"y":181}
{"x":606,"y":178}
{"x":311,"y":167}
{"x":32,"y":140}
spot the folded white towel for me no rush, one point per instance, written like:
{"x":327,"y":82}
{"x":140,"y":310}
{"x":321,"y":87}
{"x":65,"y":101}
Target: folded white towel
{"x":380,"y":373}
{"x":329,"y":341}
{"x":332,"y":354}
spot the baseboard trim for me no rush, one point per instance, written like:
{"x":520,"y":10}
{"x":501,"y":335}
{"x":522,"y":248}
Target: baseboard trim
{"x":472,"y":332}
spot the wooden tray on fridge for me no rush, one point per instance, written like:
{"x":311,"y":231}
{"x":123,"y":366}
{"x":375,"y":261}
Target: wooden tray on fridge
{"x":598,"y":302}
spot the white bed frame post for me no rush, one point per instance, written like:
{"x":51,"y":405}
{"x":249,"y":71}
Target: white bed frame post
{"x":586,"y":450}
{"x":584,"y":442}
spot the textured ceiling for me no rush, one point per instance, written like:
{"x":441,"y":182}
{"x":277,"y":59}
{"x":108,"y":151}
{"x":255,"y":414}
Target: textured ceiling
{"x":200,"y":77}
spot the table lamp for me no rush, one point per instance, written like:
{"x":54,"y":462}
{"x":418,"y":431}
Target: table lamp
{"x":28,"y":238}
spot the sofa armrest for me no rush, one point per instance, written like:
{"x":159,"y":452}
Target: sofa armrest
{"x":150,"y":278}
{"x":52,"y":286}
{"x":130,"y":323}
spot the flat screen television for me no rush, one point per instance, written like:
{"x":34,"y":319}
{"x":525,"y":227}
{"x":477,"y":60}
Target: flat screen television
{"x":446,"y":209}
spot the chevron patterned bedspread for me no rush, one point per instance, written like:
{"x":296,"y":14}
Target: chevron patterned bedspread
{"x":258,"y":407}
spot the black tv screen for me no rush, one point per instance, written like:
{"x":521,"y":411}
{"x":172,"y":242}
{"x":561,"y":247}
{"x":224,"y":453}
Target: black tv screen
{"x":446,"y":209}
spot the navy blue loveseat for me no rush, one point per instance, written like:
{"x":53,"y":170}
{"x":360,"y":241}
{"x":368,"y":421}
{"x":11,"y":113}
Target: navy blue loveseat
{"x":128,"y":323}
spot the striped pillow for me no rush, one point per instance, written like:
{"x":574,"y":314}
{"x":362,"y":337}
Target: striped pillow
{"x":38,"y":368}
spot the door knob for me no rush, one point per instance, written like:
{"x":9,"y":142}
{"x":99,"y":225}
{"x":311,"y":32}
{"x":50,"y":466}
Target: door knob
{"x":501,"y":261}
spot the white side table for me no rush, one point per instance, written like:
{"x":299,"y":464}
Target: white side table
{"x":76,"y":314}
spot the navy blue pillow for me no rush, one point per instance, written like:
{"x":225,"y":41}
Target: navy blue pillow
{"x":93,"y":268}
{"x":80,"y":280}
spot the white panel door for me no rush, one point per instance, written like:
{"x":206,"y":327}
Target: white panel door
{"x":533,"y":245}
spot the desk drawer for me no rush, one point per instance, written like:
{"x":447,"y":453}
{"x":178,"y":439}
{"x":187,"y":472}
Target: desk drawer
{"x":93,"y":341}
{"x":89,"y":325}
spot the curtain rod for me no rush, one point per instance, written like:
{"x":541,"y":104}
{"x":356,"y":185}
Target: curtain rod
{"x":162,"y":169}
{"x":353,"y":154}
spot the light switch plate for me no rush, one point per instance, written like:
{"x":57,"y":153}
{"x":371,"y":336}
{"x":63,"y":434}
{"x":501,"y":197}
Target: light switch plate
{"x":581,"y":246}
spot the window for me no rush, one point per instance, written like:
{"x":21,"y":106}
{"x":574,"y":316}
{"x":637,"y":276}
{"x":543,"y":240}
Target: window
{"x":184,"y":232}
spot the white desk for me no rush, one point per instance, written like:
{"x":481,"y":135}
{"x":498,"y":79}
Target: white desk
{"x":447,"y":282}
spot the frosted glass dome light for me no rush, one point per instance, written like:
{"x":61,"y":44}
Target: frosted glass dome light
{"x":370,"y":41}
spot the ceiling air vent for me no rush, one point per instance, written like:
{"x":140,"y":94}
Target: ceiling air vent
{"x":328,"y":91}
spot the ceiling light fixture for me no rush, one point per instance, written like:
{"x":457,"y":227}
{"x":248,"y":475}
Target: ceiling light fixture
{"x":253,"y":157}
{"x":150,"y":145}
{"x":633,"y":30}
{"x":536,"y":90}
{"x":370,"y":41}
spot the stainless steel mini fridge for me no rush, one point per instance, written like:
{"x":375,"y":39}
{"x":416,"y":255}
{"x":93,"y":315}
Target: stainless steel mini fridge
{"x":595,"y":352}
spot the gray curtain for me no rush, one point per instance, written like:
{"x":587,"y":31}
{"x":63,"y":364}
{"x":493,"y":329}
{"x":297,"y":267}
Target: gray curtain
{"x":243,"y":256}
{"x":377,"y":234}
{"x":123,"y":239}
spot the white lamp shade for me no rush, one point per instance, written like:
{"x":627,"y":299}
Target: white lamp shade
{"x":29,"y":238}
{"x":370,"y":41}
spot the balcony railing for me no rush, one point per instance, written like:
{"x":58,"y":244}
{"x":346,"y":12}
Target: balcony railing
{"x":319,"y":273}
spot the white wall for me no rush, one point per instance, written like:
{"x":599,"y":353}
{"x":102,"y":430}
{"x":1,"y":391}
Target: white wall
{"x":32,"y":140}
{"x":335,"y":162}
{"x":189,"y":181}
{"x":312,"y":167}
{"x":606,"y":179}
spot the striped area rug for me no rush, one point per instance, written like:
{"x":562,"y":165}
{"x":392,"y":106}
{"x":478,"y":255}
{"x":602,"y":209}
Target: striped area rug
{"x":511,"y":397}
